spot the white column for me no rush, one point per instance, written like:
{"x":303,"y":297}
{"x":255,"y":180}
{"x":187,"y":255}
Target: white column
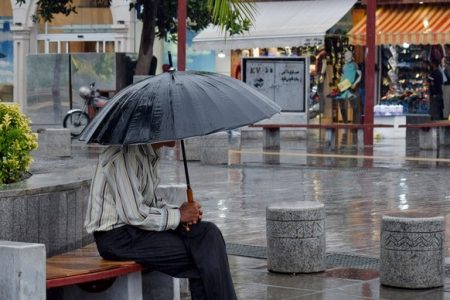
{"x":121,"y":38}
{"x":124,"y":20}
{"x":21,"y":38}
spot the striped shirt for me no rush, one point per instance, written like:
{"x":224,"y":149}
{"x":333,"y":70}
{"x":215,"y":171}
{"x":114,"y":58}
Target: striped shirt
{"x":123,"y":192}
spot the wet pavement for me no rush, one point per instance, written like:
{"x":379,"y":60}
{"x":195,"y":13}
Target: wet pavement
{"x":357,"y":188}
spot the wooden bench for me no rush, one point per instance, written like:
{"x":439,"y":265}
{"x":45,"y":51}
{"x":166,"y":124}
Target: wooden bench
{"x":432,"y":134}
{"x":271,"y":135}
{"x":84,"y":274}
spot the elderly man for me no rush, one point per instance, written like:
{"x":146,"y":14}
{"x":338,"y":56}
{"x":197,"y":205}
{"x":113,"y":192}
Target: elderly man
{"x":130,"y":223}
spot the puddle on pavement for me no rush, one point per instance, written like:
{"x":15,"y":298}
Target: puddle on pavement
{"x":352,"y":273}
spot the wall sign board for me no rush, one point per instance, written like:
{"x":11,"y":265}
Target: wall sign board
{"x":282,"y":79}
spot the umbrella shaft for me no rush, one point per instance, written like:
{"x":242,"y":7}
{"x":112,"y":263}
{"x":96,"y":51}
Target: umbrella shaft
{"x":190,"y":196}
{"x":183,"y":151}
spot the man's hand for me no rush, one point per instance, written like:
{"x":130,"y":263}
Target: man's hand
{"x":190,"y":213}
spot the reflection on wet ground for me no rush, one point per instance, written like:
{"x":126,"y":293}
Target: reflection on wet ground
{"x":390,"y":153}
{"x":355,"y":196}
{"x":356,"y":186}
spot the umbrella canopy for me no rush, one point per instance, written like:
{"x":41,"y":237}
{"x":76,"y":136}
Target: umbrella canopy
{"x":177,"y":105}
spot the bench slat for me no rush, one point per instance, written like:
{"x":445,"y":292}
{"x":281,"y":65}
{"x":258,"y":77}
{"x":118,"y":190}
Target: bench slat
{"x":84,"y":265}
{"x":434,"y":124}
{"x":88,"y":277}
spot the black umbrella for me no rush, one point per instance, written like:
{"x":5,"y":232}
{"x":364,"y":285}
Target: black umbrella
{"x":177,"y":105}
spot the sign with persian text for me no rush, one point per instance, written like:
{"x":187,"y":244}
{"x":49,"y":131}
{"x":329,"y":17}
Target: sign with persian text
{"x":282,"y":79}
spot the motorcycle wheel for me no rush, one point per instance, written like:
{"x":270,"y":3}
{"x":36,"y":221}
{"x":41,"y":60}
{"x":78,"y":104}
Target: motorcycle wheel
{"x":76,"y":121}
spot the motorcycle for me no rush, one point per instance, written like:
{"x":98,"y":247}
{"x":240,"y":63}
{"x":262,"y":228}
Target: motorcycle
{"x":76,"y":119}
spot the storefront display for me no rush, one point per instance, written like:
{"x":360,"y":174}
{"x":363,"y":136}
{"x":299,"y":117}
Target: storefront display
{"x":345,"y":79}
{"x":335,"y":48}
{"x":326,"y":71}
{"x":404,"y":74}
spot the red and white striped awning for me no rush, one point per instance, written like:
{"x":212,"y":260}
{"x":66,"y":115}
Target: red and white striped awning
{"x":418,"y":24}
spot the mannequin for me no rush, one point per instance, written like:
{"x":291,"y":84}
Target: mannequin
{"x":351,"y":76}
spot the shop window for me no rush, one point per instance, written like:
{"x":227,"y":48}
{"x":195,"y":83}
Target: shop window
{"x":404,"y":76}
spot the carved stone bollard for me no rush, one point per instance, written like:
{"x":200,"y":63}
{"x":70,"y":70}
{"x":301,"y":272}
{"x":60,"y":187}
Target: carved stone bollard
{"x":412,"y":250}
{"x":296,"y":237}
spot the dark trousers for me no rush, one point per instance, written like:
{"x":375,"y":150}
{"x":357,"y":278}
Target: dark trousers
{"x":199,"y":255}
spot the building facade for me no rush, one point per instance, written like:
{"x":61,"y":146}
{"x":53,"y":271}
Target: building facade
{"x":93,"y":29}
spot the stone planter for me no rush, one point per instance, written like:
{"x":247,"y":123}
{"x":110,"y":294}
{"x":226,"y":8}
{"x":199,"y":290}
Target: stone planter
{"x":46,"y":209}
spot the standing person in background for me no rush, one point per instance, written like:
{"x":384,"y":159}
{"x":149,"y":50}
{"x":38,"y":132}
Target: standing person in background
{"x":446,"y":88}
{"x":435,"y":81}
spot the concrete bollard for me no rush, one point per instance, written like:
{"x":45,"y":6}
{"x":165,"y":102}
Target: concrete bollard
{"x":428,"y":138}
{"x":55,"y":142}
{"x":271,"y":140}
{"x":23,"y":270}
{"x":215,"y":149}
{"x":412,"y":250}
{"x":296,"y":237}
{"x":193,"y":148}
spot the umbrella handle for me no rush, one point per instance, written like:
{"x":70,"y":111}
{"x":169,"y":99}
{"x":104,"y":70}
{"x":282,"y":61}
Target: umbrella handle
{"x":190,"y":199}
{"x":190,"y":195}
